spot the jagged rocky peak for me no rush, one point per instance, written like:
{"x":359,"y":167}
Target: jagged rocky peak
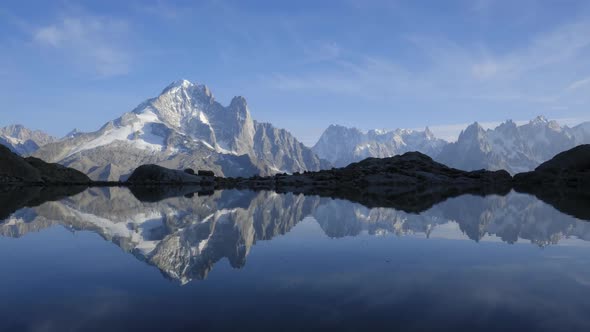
{"x":183,"y":127}
{"x":22,"y":140}
{"x":339,"y":129}
{"x":15,"y":130}
{"x":508,"y":125}
{"x":239,"y":105}
{"x":428,"y":133}
{"x":179,"y":103}
{"x":473,"y":130}
{"x":239,"y":102}
{"x":342,"y":145}
{"x":539,"y":120}
{"x":183,"y":85}
{"x":542,"y":121}
{"x":22,"y":133}
{"x":516,"y":148}
{"x":73,"y":133}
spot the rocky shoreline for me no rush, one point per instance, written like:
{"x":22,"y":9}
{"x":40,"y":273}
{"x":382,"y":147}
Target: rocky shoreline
{"x":411,"y":182}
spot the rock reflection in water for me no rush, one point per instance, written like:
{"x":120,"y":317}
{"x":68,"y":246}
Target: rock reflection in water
{"x":185,"y":236}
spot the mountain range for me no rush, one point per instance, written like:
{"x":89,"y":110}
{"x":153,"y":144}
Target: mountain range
{"x":22,"y":140}
{"x":508,"y":146}
{"x":512,"y":147}
{"x":185,"y":127}
{"x":342,"y":146}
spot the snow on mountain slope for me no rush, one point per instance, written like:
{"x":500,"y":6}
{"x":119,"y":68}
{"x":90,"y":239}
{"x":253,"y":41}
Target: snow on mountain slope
{"x":342,"y":146}
{"x":508,"y":146}
{"x":511,"y":147}
{"x":183,"y":127}
{"x":23,"y":141}
{"x":139,"y":132}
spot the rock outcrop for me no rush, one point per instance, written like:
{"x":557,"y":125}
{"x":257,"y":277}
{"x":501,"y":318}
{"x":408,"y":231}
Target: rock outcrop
{"x":154,"y":174}
{"x":562,"y":181}
{"x":569,"y":168}
{"x":410,"y":182}
{"x":17,"y":170}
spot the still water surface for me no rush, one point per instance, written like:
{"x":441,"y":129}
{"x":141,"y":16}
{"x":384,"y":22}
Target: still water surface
{"x":103,"y":260}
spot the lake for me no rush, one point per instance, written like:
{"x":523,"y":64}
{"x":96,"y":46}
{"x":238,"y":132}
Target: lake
{"x":108,"y":259}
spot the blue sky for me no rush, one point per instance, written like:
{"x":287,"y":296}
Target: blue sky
{"x":302,"y":65}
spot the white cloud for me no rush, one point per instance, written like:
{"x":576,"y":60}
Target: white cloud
{"x":49,"y":35}
{"x":484,"y":70}
{"x":578,"y":84}
{"x":90,"y":41}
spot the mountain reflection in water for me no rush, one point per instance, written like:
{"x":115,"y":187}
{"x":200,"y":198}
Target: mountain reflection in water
{"x":185,"y":234}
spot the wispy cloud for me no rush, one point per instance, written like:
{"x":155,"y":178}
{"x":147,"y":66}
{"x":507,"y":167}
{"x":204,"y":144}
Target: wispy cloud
{"x":89,"y":41}
{"x":321,"y":51}
{"x":578,"y":84}
{"x":163,"y":9}
{"x":534,"y":72}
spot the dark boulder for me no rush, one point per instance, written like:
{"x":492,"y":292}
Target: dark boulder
{"x":158,"y":174}
{"x":56,"y":173}
{"x":205,"y":173}
{"x":14,"y":168}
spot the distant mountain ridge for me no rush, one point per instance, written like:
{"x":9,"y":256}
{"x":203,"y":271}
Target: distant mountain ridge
{"x":23,"y":141}
{"x":512,"y":147}
{"x":508,"y":146}
{"x":183,"y":127}
{"x":341,"y":145}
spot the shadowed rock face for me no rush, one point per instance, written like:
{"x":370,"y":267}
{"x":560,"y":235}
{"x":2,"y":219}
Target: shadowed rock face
{"x":56,"y":173}
{"x":573,"y":160}
{"x":17,"y":170}
{"x":562,"y":181}
{"x":161,"y":175}
{"x":411,"y":182}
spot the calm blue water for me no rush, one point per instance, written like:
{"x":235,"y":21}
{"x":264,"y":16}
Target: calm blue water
{"x":104,"y":261}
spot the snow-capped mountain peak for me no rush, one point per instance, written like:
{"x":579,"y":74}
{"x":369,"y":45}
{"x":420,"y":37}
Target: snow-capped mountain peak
{"x":512,"y":147}
{"x":22,"y":140}
{"x":539,"y":120}
{"x":429,"y":134}
{"x":342,"y":146}
{"x":184,"y":127}
{"x":73,"y":133}
{"x":473,"y":131}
